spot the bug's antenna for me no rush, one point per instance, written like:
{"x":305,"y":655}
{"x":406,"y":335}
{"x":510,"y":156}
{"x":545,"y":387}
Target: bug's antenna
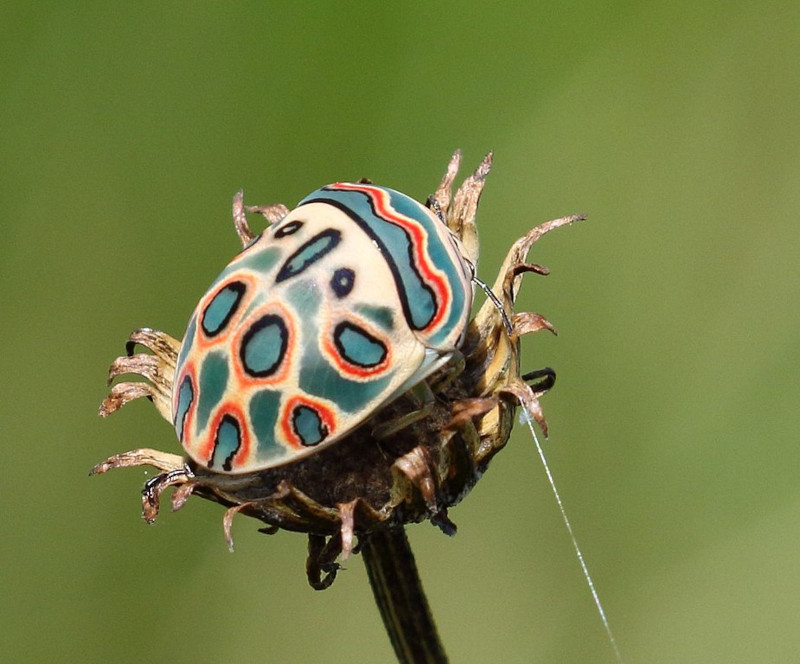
{"x":496,"y":302}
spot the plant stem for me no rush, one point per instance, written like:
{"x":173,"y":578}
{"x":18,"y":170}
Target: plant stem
{"x":400,"y":598}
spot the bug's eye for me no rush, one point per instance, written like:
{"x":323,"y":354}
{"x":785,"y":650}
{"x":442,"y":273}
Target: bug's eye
{"x":289,"y":229}
{"x":342,"y":281}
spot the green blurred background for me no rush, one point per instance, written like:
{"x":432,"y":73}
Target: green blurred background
{"x":125,"y":131}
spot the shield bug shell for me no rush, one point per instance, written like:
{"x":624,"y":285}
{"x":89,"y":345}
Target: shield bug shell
{"x":344,"y":304}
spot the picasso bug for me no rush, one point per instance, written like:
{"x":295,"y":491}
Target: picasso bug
{"x":332,"y":379}
{"x":339,"y":307}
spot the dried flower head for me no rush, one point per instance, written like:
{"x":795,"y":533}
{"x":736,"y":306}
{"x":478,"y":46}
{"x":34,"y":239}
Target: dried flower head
{"x":412,"y":459}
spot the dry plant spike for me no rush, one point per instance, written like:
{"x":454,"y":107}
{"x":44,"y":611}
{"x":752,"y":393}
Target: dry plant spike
{"x":443,"y":194}
{"x":523,"y":393}
{"x":519,"y":251}
{"x":246,"y":236}
{"x":181,"y":494}
{"x":461,"y":219}
{"x":531,"y":267}
{"x":528,"y":322}
{"x":272,"y":213}
{"x":163,"y":345}
{"x":141,"y":363}
{"x":347,"y":515}
{"x":163,"y":461}
{"x":123,"y":393}
{"x":417,"y":469}
{"x":466,"y":410}
{"x":227,"y":522}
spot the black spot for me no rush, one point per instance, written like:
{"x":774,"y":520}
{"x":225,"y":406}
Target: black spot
{"x":309,"y":253}
{"x":264,"y":346}
{"x":289,"y":228}
{"x":342,"y":281}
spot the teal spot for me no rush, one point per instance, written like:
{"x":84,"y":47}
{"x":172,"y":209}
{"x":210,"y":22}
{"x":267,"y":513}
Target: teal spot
{"x":263,"y":411}
{"x":357,"y":346}
{"x":227,"y":443}
{"x":308,"y":425}
{"x":188,"y":342}
{"x":309,"y":253}
{"x":220,"y":310}
{"x":213,"y":381}
{"x":264,"y":346}
{"x":381,"y":316}
{"x":185,"y":397}
{"x":259,"y":261}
